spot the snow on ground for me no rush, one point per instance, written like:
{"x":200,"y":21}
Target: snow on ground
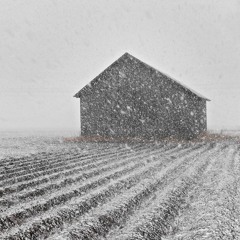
{"x":163,"y":190}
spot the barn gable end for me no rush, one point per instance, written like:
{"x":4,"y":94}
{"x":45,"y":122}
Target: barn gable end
{"x":132,"y":99}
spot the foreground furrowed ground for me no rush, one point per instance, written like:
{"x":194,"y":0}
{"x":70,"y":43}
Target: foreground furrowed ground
{"x":123,"y":191}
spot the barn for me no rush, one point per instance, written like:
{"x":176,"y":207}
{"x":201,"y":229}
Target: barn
{"x":132,"y":99}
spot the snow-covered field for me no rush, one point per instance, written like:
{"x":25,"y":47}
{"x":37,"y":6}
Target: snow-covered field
{"x":121,"y":191}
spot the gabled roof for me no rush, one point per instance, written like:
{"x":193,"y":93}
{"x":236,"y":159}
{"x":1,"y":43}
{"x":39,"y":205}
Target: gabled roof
{"x":88,"y":87}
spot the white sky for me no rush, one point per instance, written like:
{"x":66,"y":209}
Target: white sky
{"x":50,"y":49}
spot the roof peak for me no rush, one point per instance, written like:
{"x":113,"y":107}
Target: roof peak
{"x":126,"y":54}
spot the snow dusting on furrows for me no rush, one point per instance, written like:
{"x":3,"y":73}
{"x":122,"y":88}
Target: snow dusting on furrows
{"x":132,"y":99}
{"x":122,"y":191}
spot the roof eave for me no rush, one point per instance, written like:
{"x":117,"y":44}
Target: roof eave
{"x":77,"y":95}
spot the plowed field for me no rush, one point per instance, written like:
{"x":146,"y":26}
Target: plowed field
{"x":123,"y":192}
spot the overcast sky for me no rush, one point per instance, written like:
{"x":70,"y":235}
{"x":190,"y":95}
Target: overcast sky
{"x":50,"y":49}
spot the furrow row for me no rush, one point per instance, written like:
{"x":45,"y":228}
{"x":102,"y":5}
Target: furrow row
{"x":78,"y":177}
{"x":83,"y":149}
{"x":99,"y":222}
{"x":69,"y":164}
{"x":11,"y":219}
{"x":213,"y":208}
{"x":73,"y":167}
{"x":36,"y":157}
{"x":51,"y":163}
{"x":99,"y":198}
{"x":157,"y":217}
